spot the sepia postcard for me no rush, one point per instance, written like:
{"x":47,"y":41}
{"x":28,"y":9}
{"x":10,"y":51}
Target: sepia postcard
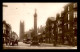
{"x":39,"y":25}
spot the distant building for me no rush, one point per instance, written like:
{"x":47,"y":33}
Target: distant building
{"x":41,"y":29}
{"x":21,"y":31}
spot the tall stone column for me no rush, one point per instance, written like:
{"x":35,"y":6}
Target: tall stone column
{"x":35,"y":23}
{"x":35,"y":39}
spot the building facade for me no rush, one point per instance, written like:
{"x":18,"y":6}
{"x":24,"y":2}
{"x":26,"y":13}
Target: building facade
{"x":70,"y":21}
{"x":59,"y":23}
{"x":67,"y":24}
{"x":6,"y":32}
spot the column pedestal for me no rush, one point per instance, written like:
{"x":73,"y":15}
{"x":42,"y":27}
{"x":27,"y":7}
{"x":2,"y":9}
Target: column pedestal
{"x":35,"y":41}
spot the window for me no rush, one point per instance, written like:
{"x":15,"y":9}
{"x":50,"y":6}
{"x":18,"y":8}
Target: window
{"x":52,"y":31}
{"x":74,"y":5}
{"x":64,"y":23}
{"x":58,"y":30}
{"x":68,"y":8}
{"x":75,"y":14}
{"x":4,"y":27}
{"x":3,"y":31}
{"x":68,"y":26}
{"x":59,"y":22}
{"x":73,"y":28}
{"x":52,"y":25}
{"x":68,"y":16}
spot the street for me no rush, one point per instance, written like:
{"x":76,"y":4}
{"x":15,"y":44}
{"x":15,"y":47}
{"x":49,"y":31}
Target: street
{"x":22,"y":45}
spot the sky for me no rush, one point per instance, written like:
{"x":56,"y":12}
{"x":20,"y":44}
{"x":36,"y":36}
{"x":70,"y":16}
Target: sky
{"x":16,"y":12}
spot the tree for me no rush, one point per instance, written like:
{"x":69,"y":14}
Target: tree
{"x":48,"y":28}
{"x":32,"y":33}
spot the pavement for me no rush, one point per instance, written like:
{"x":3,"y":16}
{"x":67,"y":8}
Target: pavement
{"x":22,"y":45}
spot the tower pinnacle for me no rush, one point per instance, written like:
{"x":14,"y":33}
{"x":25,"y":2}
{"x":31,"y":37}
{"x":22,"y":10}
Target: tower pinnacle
{"x":35,"y":14}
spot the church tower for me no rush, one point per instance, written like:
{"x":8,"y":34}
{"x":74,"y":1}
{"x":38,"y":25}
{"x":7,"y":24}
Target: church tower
{"x":21,"y":30}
